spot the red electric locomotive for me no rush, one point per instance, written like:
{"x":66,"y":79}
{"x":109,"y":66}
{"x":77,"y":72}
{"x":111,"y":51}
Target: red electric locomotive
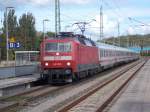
{"x":68,"y":57}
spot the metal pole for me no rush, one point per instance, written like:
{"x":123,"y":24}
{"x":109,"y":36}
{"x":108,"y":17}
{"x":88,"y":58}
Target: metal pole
{"x":45,"y":20}
{"x":55,"y":18}
{"x":7,"y":47}
{"x":119,"y":34}
{"x":59,"y":24}
{"x":101,"y":23}
{"x":7,"y":36}
{"x":44,"y":32}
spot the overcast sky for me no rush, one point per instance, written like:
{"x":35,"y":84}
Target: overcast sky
{"x":85,"y":10}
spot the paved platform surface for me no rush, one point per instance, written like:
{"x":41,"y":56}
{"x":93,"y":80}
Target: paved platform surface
{"x":136,"y":97}
{"x":18,"y":80}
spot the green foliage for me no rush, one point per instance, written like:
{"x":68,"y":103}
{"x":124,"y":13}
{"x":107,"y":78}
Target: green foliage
{"x":130,"y":40}
{"x":27,"y":31}
{"x":3,"y":46}
{"x":39,"y":38}
{"x":24,"y":32}
{"x":12,"y":23}
{"x":51,"y":34}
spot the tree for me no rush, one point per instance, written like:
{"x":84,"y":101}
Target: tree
{"x":12,"y":23}
{"x":27,"y":31}
{"x":12,"y":30}
{"x":51,"y":34}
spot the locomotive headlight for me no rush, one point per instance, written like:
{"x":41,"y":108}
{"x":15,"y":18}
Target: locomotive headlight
{"x":46,"y":64}
{"x":68,"y":63}
{"x":57,"y":54}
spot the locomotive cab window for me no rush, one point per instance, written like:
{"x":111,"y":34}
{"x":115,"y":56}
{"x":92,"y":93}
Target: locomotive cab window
{"x":58,"y":47}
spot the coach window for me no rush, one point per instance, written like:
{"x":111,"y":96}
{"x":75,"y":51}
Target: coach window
{"x":110,"y":53}
{"x":104,"y":53}
{"x":107,"y":53}
{"x":100,"y":53}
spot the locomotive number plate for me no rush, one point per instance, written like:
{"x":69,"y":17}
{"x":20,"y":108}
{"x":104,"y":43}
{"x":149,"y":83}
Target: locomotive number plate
{"x":57,"y":64}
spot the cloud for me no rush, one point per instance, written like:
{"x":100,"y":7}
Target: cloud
{"x":5,"y":3}
{"x":19,"y":3}
{"x":110,"y":22}
{"x":75,"y":1}
{"x":109,"y":26}
{"x":138,"y":30}
{"x":131,"y":31}
{"x":136,"y":12}
{"x":35,"y":2}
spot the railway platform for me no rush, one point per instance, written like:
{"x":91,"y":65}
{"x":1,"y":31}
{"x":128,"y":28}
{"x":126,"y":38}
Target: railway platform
{"x":136,"y":97}
{"x":12,"y":86}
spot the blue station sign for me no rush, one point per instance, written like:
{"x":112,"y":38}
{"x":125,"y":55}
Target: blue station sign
{"x":14,"y":45}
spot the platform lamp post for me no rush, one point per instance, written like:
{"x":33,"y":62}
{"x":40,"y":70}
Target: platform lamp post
{"x":44,"y":21}
{"x":7,"y":36}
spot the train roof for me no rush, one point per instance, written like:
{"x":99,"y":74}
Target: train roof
{"x":112,"y":47}
{"x":82,"y":39}
{"x":77,"y":37}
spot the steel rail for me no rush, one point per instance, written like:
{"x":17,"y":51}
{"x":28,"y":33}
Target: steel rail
{"x":107,"y":102}
{"x":88,"y":94}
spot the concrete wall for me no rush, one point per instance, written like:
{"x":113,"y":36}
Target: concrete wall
{"x":6,"y":72}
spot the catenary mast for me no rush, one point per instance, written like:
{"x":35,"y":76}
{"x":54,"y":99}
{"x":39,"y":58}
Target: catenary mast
{"x":57,"y":17}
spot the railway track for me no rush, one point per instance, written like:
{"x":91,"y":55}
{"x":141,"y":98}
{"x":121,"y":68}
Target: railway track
{"x":99,"y":97}
{"x":32,"y":98}
{"x":23,"y":98}
{"x":53,"y":102}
